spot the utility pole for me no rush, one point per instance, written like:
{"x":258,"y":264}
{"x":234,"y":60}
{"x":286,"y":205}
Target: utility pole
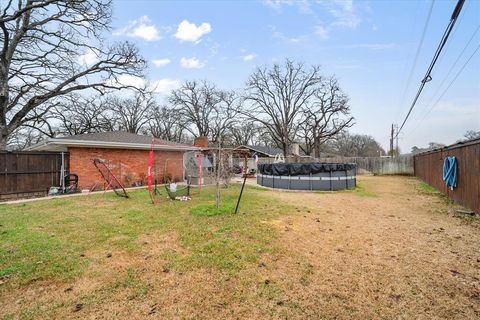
{"x":396,"y":142}
{"x":391,"y":141}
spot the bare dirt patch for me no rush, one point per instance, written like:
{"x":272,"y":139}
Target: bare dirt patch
{"x":397,"y":254}
{"x":390,"y":251}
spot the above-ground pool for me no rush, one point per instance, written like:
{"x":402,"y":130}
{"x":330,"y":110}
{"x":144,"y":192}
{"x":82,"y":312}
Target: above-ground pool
{"x":307,"y":176}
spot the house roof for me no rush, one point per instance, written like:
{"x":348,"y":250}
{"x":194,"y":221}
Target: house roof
{"x":110,"y":140}
{"x":268,"y":151}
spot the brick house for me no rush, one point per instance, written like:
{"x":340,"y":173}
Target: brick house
{"x":126,"y":154}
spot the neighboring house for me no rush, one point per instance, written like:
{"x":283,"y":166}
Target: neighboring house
{"x":126,"y":154}
{"x":262,"y":151}
{"x":264,"y":154}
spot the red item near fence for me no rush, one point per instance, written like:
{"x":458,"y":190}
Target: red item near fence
{"x":110,"y":179}
{"x":149,"y":171}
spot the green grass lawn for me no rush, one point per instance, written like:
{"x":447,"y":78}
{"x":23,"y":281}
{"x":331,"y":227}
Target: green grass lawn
{"x":366,"y":253}
{"x":46,"y":240}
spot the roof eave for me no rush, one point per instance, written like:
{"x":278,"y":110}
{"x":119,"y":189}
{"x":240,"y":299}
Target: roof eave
{"x":109,"y":145}
{"x":256,"y":150}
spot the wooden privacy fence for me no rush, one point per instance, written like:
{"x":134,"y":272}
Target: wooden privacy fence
{"x":365,"y":165}
{"x":29,"y":173}
{"x":429,"y":168}
{"x":378,"y":165}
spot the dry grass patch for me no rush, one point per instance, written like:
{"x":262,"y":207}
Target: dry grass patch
{"x":390,"y":249}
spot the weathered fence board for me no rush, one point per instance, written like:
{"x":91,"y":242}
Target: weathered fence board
{"x":365,"y":165}
{"x":429,"y":168}
{"x":378,"y":165}
{"x":24,"y":174}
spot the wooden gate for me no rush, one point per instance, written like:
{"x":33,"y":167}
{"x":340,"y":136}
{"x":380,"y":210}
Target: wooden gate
{"x":29,"y":173}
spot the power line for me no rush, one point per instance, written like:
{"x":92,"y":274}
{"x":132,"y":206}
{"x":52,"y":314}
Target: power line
{"x":428,"y":76}
{"x":417,"y":53}
{"x":446,"y":89}
{"x":453,"y":80}
{"x":429,"y":103}
{"x":460,"y":17}
{"x":454,"y":64}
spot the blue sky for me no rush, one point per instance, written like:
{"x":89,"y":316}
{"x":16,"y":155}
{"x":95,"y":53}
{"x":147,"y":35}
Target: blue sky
{"x":369,"y":45}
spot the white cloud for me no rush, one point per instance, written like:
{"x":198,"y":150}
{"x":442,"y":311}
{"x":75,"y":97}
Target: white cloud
{"x":304,"y":6}
{"x":277,"y":4}
{"x":344,"y":13}
{"x":345,"y":4}
{"x":164,"y":86}
{"x":191,"y":63}
{"x":141,"y":28}
{"x":187,"y":31}
{"x":161,"y":62}
{"x":88,"y":58}
{"x":322,"y":32}
{"x":341,"y":14}
{"x":249,"y":57}
{"x":289,"y":39}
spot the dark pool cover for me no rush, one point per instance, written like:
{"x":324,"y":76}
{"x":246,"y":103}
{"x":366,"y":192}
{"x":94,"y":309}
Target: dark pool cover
{"x":298,"y":169}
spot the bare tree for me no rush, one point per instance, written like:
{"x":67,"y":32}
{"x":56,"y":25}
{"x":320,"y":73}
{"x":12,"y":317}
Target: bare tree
{"x":195,"y":102}
{"x":248,"y":132}
{"x":435,"y":145}
{"x":225,"y":116}
{"x":132,"y":113}
{"x":243,"y":133}
{"x":166,"y":124}
{"x":471,"y":135}
{"x":327,"y":116}
{"x":278,"y":95}
{"x":204,"y":109}
{"x":356,"y":145}
{"x":49,"y":48}
{"x":24,"y":137}
{"x":76,"y":114}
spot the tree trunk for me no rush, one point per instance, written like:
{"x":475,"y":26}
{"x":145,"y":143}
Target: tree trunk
{"x":3,"y":137}
{"x":4,"y":97}
{"x":217,"y":178}
{"x":285,"y":149}
{"x":316,"y":147}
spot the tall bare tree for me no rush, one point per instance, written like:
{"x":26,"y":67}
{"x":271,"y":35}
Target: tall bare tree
{"x":24,"y":137}
{"x":248,"y":132}
{"x":278,"y":95}
{"x":472,"y":134}
{"x":225,"y":115}
{"x":327,"y":116}
{"x":204,"y":109}
{"x":77,"y":114}
{"x":165,"y":123}
{"x":133,"y":113}
{"x":356,"y":145}
{"x":195,"y":102}
{"x":49,"y":48}
{"x":243,"y":133}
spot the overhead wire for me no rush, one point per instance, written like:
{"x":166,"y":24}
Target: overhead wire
{"x":454,"y":64}
{"x":446,"y":89}
{"x":417,"y":54}
{"x":441,"y":45}
{"x":453,"y":80}
{"x":454,"y":31}
{"x":427,"y":111}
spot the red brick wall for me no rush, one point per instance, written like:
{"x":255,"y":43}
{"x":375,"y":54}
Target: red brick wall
{"x":127,"y":165}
